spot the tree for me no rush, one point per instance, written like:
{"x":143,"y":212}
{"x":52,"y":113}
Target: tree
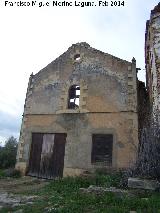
{"x":8,"y":153}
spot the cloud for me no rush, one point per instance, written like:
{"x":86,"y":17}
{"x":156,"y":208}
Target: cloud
{"x":9,"y":125}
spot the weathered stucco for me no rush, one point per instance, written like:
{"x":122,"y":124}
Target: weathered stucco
{"x":108,"y":104}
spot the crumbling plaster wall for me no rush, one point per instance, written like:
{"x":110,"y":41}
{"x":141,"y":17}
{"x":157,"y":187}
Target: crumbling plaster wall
{"x":108,"y":104}
{"x":97,"y":73}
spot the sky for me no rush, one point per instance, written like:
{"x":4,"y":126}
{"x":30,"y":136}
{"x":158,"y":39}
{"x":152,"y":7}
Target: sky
{"x":32,"y":36}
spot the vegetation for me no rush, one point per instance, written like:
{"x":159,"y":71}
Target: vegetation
{"x":8,"y":153}
{"x":11,"y":172}
{"x":64,"y":196}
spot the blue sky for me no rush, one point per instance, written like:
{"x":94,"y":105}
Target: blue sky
{"x":32,"y":37}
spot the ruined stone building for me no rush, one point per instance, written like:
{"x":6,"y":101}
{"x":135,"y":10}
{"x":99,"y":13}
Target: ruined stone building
{"x":80,"y":114}
{"x":152,"y":56}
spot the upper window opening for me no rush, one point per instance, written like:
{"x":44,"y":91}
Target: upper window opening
{"x":73,"y":99}
{"x":77,"y":57}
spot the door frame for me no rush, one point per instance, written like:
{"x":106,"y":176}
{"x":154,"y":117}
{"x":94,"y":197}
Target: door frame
{"x":30,"y":144}
{"x":106,"y":131}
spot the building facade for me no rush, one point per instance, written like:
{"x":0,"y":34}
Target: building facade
{"x":80,"y":114}
{"x":152,"y":56}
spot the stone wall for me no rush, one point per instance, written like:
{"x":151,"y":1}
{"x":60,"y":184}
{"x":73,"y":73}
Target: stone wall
{"x":108,"y":105}
{"x":152,"y":54}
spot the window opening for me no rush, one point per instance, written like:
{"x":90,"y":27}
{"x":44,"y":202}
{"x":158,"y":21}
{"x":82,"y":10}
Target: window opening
{"x":102,"y":145}
{"x":77,"y":57}
{"x":74,"y":95}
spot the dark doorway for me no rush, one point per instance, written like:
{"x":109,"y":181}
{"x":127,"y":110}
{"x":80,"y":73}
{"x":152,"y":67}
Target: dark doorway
{"x":102,"y":145}
{"x":47,"y":155}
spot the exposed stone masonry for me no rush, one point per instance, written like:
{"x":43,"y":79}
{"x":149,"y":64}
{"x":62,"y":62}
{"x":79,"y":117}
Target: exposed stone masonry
{"x":152,"y":55}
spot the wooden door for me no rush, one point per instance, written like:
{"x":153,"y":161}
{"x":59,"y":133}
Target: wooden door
{"x":58,"y":154}
{"x":47,"y":155}
{"x":35,"y":154}
{"x":46,"y":170}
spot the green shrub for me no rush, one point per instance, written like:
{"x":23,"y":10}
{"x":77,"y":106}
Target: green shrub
{"x":8,"y":153}
{"x":11,"y":172}
{"x":2,"y":173}
{"x":108,"y":178}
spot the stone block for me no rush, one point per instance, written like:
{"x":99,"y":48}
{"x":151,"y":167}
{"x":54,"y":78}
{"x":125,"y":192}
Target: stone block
{"x":137,"y":183}
{"x":101,"y":190}
{"x":129,"y":68}
{"x":21,"y":166}
{"x":130,"y":75}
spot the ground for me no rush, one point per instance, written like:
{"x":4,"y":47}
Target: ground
{"x":15,"y":192}
{"x":27,"y":195}
{"x":21,"y":185}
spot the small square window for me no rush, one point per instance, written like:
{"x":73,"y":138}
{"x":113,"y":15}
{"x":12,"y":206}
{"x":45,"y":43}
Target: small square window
{"x":102,"y":145}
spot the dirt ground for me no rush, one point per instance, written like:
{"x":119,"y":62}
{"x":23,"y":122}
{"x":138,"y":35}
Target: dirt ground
{"x":12,"y":191}
{"x":21,"y":185}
